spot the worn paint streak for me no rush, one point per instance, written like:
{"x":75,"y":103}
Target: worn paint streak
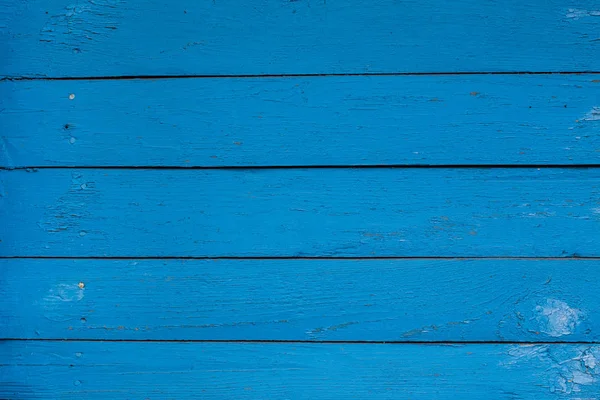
{"x":574,"y":13}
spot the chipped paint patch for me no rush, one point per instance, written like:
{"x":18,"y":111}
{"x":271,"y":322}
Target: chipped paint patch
{"x":574,"y":13}
{"x":556,"y":318}
{"x":593,"y":115}
{"x":568,"y":370}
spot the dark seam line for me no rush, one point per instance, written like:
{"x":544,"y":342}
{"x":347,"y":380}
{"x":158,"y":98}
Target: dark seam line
{"x":258,"y":167}
{"x":350,"y":258}
{"x":258,"y":341}
{"x":308,"y":75}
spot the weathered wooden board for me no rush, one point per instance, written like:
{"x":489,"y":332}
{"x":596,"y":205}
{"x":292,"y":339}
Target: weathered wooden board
{"x":301,"y":212}
{"x":316,"y":300}
{"x":350,"y":120}
{"x":62,"y":38}
{"x":97,"y":370}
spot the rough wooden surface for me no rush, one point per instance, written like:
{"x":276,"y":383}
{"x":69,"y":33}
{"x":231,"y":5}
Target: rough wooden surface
{"x":316,"y":300}
{"x":62,"y":38}
{"x":301,"y":212}
{"x":351,"y":120}
{"x":133,"y":306}
{"x":62,"y":370}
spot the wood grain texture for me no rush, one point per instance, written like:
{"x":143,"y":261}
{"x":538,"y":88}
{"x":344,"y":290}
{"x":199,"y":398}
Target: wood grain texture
{"x":60,"y":38}
{"x":315,"y":300}
{"x":494,"y":119}
{"x":62,"y":370}
{"x":301,"y":212}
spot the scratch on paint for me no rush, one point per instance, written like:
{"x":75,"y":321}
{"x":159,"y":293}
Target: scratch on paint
{"x":569,"y":370}
{"x":556,"y":318}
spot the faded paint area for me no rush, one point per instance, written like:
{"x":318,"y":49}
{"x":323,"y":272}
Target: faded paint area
{"x":64,"y":292}
{"x":567,"y":371}
{"x":556,"y":318}
{"x":57,"y":304}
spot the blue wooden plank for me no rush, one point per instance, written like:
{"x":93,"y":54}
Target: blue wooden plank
{"x":522,"y":119}
{"x":301,"y":212}
{"x":308,"y":300}
{"x":93,"y":370}
{"x":60,"y":38}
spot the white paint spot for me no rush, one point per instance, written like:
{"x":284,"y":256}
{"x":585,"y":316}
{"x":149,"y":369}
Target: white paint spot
{"x":556,"y":318}
{"x":64,"y":292}
{"x":574,"y":13}
{"x":593,"y":115}
{"x":72,"y":140}
{"x":71,"y":96}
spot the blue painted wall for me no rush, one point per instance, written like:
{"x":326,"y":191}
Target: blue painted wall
{"x":299,"y":199}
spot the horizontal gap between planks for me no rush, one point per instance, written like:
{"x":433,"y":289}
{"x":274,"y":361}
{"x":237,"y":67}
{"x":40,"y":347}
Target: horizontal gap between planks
{"x":325,"y":342}
{"x":209,"y":76}
{"x":367,"y":166}
{"x":350,"y":258}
